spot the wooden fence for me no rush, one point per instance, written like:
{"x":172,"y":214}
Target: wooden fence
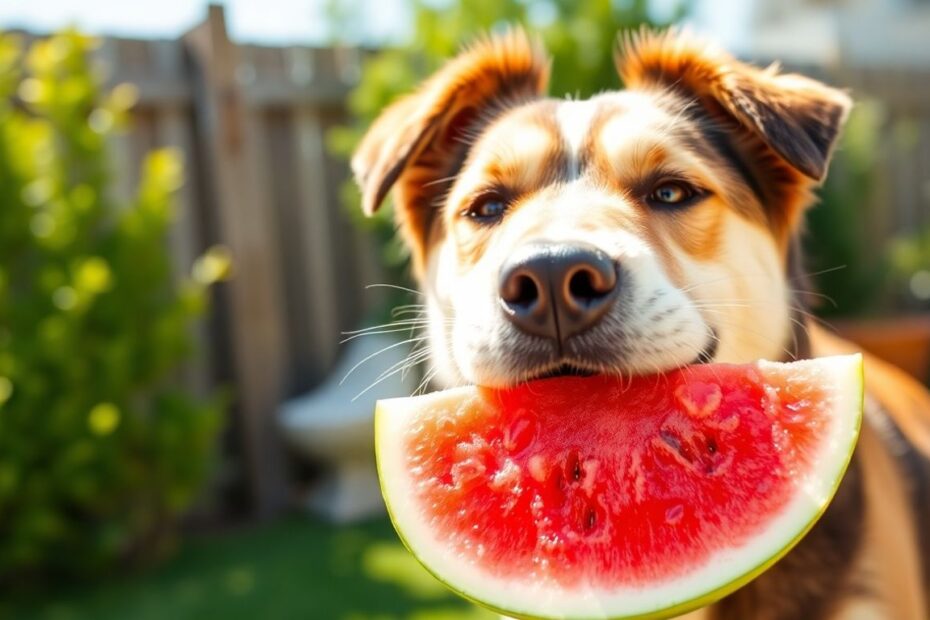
{"x":252,"y":123}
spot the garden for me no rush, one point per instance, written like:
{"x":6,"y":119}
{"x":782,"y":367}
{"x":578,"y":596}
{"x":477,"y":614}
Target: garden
{"x":140,"y":476}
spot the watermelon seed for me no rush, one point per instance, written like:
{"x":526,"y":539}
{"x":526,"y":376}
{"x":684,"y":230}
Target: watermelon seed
{"x":712,"y":446}
{"x":573,"y":466}
{"x":590,"y":519}
{"x":674,"y":514}
{"x":671,"y":440}
{"x":684,"y":451}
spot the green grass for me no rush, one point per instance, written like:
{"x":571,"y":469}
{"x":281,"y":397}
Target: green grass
{"x":297,"y":568}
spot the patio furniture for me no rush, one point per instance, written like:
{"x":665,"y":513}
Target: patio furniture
{"x":334,"y":426}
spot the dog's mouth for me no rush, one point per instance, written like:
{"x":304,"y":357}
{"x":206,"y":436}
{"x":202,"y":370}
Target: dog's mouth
{"x":710,"y":351}
{"x":569,"y":369}
{"x":566,"y":370}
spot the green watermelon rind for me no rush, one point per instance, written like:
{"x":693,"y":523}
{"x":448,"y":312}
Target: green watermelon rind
{"x":855,"y":364}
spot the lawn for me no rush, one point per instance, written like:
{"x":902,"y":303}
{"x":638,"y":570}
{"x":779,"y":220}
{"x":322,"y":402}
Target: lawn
{"x":297,"y":568}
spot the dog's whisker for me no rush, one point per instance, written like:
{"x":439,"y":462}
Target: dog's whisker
{"x":406,"y":364}
{"x":440,"y":181}
{"x":768,"y":301}
{"x":377,"y":333}
{"x":390,"y":372}
{"x":416,"y":360}
{"x":762,"y":274}
{"x":380,"y":379}
{"x":821,"y":272}
{"x":379,"y":352}
{"x":415,"y":312}
{"x":411,"y":314}
{"x":407,"y":307}
{"x":741,"y":331}
{"x":391,"y":325}
{"x":801,"y":291}
{"x":395,"y":286}
{"x":410,"y":359}
{"x":427,"y":377}
{"x":750,"y":303}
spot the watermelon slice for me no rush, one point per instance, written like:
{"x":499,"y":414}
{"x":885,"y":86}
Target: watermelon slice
{"x":601,"y":497}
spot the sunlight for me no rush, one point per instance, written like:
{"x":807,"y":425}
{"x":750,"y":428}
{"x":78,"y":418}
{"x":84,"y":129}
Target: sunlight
{"x":391,"y":563}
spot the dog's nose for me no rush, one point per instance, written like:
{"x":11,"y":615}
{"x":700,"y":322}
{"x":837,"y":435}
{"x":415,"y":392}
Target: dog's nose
{"x":556,"y":290}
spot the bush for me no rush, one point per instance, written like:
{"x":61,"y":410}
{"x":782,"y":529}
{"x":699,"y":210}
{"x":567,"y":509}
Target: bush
{"x":98,"y":451}
{"x":910,"y":261}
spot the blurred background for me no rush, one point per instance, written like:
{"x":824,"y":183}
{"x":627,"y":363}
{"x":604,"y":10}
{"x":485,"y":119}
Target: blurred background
{"x":185,"y":395}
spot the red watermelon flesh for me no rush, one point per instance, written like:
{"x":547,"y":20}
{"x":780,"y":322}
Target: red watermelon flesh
{"x":608,"y":497}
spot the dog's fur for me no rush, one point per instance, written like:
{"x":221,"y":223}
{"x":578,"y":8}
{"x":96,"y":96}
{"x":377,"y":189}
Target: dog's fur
{"x":720,"y":274}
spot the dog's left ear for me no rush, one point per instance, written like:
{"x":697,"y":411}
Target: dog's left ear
{"x":418,"y":143}
{"x":799,"y":119}
{"x":428,"y":127}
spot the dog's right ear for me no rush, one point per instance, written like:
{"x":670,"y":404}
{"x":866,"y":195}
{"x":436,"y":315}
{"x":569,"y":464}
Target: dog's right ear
{"x":418,"y":140}
{"x":784,"y":125}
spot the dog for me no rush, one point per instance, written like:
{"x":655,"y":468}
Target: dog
{"x":642,"y":230}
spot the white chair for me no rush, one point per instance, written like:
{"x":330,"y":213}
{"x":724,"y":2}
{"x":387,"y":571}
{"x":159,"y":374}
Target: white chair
{"x":334,"y":426}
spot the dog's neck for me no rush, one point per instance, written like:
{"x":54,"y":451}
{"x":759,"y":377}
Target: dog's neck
{"x":804,"y":583}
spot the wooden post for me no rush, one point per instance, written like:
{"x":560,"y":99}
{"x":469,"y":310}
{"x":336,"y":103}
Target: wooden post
{"x":173,"y":128}
{"x":237,"y":187}
{"x":314,"y":216}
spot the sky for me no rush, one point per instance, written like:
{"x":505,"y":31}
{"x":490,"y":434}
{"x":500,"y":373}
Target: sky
{"x":259,"y":21}
{"x":275,"y":21}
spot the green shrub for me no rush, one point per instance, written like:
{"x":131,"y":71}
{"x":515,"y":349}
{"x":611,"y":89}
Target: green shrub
{"x":909,"y":256}
{"x":99,"y":451}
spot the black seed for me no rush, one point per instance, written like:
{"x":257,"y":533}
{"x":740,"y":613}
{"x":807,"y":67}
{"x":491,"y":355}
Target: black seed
{"x":712,"y":446}
{"x":671,"y":440}
{"x":590,"y":519}
{"x":572,"y":466}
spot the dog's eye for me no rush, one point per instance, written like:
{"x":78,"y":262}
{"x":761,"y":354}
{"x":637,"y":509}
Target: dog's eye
{"x":673,"y":193}
{"x":487,"y":210}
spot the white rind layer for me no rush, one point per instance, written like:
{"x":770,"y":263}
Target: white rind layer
{"x":726,"y":569}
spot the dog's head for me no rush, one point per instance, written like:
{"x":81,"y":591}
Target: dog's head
{"x":632,"y":232}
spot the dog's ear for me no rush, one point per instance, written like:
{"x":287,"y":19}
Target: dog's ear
{"x":418,"y":139}
{"x":797,"y":118}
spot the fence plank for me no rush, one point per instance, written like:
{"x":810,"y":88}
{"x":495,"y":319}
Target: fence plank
{"x":316,"y":226}
{"x":185,"y":241}
{"x":231,"y":139}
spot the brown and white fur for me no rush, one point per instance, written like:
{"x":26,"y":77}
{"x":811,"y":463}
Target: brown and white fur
{"x":717,"y":277}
